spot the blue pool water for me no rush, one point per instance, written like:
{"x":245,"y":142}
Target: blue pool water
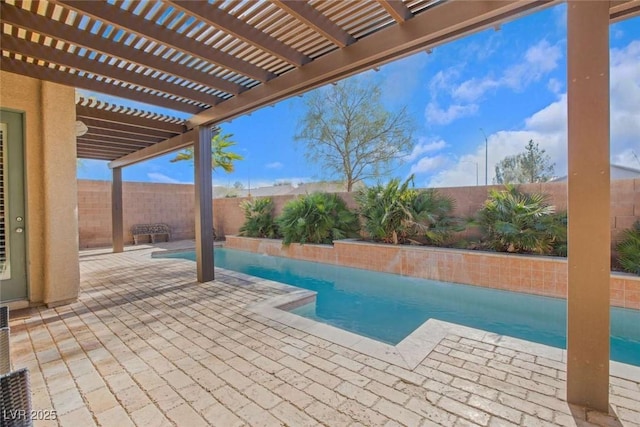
{"x":389,"y":307}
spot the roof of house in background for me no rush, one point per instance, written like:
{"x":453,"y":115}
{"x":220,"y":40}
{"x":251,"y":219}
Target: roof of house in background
{"x":282,"y":189}
{"x":616,"y":172}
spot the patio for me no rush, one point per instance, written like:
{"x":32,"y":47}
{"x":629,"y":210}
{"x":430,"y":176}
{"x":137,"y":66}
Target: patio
{"x":146,"y":344}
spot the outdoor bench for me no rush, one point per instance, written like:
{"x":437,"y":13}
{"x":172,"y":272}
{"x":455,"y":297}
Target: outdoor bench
{"x":151,"y":230}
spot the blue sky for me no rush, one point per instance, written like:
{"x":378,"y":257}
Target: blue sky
{"x":508,"y":84}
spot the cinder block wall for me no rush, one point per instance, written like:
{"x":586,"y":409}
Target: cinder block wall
{"x":174,"y":204}
{"x":143,"y":203}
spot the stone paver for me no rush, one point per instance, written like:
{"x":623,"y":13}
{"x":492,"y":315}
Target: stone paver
{"x":146,"y":345}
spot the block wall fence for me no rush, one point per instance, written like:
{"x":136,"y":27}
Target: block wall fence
{"x":173,"y":204}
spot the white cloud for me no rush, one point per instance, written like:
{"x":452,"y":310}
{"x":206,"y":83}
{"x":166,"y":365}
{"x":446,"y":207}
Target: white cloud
{"x":554,"y":85}
{"x":402,"y":78}
{"x":500,"y":145}
{"x":274,"y":165}
{"x":428,"y":164}
{"x":424,"y":147}
{"x":547,"y":127}
{"x":162,"y":178}
{"x":473,"y":89}
{"x":436,"y":115}
{"x":551,"y":119}
{"x":444,"y":80}
{"x":538,"y":60}
{"x":543,"y":56}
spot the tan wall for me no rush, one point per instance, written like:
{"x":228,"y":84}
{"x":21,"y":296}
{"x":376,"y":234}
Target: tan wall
{"x":176,"y":205}
{"x":534,"y":275}
{"x":143,"y":203}
{"x":50,"y":164}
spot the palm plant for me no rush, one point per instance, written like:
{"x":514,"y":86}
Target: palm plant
{"x":513,"y":221}
{"x":259,"y":219}
{"x":317,"y":218}
{"x":386,"y":210}
{"x":432,"y":217}
{"x":629,"y":249}
{"x":395,"y":213}
{"x":220,"y":156}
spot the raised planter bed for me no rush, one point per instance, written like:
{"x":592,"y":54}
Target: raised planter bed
{"x":523,"y":273}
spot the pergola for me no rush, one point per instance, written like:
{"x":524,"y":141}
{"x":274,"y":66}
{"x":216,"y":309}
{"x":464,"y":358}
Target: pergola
{"x":218,"y":60}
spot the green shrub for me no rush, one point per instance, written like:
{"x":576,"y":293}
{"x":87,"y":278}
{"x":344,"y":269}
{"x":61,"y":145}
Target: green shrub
{"x":317,"y":218}
{"x":513,"y":221}
{"x":259,"y":220}
{"x":433,"y":221}
{"x":629,"y":249}
{"x":395,"y":213}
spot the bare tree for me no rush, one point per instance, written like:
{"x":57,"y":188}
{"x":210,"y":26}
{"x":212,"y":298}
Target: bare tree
{"x":350,"y":134}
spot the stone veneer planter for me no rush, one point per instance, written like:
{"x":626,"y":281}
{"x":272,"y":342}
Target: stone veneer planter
{"x":523,"y":273}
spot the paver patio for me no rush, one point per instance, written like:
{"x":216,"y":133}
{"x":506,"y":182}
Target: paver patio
{"x":147,"y":345}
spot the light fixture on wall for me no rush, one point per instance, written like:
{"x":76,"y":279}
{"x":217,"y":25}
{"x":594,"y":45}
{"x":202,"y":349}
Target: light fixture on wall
{"x":81,"y":128}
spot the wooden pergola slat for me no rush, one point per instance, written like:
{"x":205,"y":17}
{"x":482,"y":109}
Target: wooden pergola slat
{"x":226,"y":22}
{"x":38,"y":51}
{"x":130,"y":119}
{"x":24,"y":68}
{"x":306,"y":14}
{"x":103,"y":136}
{"x":149,"y":30}
{"x":96,"y":125}
{"x":59,"y":31}
{"x":446,"y":22}
{"x":397,"y":9}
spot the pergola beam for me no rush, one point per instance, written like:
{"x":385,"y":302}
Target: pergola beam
{"x":124,"y":128}
{"x":397,"y":9}
{"x":113,"y":135}
{"x":228,"y":23}
{"x":59,"y":31}
{"x":435,"y":26}
{"x":70,"y":60}
{"x":164,"y":147}
{"x":309,"y":16}
{"x":100,"y":141}
{"x":624,"y":9}
{"x":149,"y":30}
{"x":129,"y":119}
{"x":24,"y":68}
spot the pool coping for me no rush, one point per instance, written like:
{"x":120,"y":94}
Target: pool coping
{"x":409,"y":352}
{"x":412,"y":350}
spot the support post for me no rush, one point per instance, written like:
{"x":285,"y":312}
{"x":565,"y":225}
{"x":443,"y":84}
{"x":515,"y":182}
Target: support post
{"x":589,"y":235}
{"x":117,"y":232}
{"x":204,"y":205}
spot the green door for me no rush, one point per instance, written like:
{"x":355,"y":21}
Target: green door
{"x":13,"y":255}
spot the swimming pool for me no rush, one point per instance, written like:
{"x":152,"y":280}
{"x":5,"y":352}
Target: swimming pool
{"x":389,"y":307}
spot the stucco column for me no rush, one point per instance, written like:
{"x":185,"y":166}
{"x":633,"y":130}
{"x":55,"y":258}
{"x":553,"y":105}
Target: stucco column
{"x":204,"y":205}
{"x":588,"y":204}
{"x":60,"y":195}
{"x":116,"y":211}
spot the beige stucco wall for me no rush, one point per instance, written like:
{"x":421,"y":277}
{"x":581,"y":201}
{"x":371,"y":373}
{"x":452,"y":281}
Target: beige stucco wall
{"x":50,"y":169}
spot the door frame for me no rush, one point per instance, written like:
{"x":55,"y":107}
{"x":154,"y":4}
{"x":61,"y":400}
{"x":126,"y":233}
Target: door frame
{"x":16,"y":123}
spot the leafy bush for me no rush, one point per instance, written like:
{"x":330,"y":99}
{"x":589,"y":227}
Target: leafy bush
{"x":395,"y":213}
{"x":317,"y":218}
{"x":629,"y":249}
{"x":512,"y":221}
{"x":259,"y":220}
